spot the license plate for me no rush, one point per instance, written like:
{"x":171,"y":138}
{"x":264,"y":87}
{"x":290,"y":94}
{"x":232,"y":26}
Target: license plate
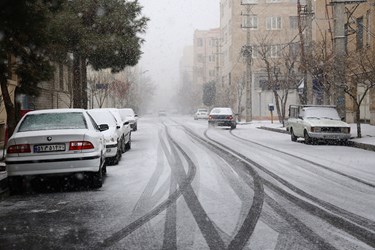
{"x":49,"y":148}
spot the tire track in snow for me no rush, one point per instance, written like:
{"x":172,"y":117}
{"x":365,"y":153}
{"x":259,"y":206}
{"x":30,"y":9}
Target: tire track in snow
{"x":352,"y":224}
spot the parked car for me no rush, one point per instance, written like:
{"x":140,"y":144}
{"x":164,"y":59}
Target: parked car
{"x":201,"y":114}
{"x":125,"y":129}
{"x":56,"y":142}
{"x":316,"y":122}
{"x":113,"y":136}
{"x":127,"y":114}
{"x":222,"y":117}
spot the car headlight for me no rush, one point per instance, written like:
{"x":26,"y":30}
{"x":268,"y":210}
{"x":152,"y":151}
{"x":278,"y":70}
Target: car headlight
{"x":316,"y":129}
{"x":345,"y":130}
{"x":110,"y":140}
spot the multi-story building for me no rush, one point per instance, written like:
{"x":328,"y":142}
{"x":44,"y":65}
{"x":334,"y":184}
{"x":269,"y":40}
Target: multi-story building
{"x":359,"y":27}
{"x":262,"y":28}
{"x":206,"y":57}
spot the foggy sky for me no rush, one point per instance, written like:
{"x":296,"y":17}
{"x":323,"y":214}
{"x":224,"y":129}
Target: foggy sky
{"x":170,"y":29}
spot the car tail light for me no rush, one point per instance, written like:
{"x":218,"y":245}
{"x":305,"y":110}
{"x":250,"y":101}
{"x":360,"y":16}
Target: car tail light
{"x":80,"y":145}
{"x":209,"y":117}
{"x":229,"y":117}
{"x":20,"y":148}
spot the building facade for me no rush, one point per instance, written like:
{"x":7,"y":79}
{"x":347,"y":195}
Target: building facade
{"x":359,"y":28}
{"x":205,"y":58}
{"x":258,"y":29}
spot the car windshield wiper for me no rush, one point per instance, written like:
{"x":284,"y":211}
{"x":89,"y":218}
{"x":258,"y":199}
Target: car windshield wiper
{"x":312,"y":117}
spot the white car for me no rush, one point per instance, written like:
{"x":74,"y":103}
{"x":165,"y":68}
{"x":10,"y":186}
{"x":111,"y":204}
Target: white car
{"x":127,"y":114}
{"x":56,"y":142}
{"x":124,"y":128}
{"x":201,"y":114}
{"x":112,"y":135}
{"x":316,"y":122}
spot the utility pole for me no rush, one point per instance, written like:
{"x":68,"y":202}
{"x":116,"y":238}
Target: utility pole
{"x":339,"y":50}
{"x":247,"y":52}
{"x":306,"y":50}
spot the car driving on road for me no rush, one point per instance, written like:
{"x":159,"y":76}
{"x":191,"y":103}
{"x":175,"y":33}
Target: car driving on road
{"x":56,"y":142}
{"x":201,"y":114}
{"x":222,"y":117}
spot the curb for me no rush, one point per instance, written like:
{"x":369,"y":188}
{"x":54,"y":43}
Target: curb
{"x":353,"y":144}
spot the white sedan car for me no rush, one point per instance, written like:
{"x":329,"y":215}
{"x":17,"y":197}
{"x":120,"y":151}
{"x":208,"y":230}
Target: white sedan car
{"x":125,"y":129}
{"x":112,"y":135}
{"x":316,"y":122}
{"x":127,"y":114}
{"x":56,"y":142}
{"x":201,"y":114}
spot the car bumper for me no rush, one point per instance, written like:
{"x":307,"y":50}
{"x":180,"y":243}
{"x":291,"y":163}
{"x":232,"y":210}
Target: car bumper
{"x":329,"y":136}
{"x":222,"y":123}
{"x":64,"y":165}
{"x":111,"y":150}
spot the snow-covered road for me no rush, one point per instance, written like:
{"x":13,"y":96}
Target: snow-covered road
{"x":182,"y":186}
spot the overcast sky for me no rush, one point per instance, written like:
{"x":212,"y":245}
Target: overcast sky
{"x":170,"y":29}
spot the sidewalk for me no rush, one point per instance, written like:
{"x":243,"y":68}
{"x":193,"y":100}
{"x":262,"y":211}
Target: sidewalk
{"x":366,"y":142}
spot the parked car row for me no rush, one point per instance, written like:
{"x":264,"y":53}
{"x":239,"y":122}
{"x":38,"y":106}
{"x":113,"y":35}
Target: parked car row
{"x":66,"y":142}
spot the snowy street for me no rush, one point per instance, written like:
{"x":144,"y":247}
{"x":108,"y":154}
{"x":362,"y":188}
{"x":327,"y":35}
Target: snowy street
{"x":184,"y":186}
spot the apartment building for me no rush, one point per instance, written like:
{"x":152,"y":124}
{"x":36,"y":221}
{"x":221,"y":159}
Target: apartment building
{"x":359,"y":26}
{"x":205,"y":60}
{"x":255,"y":24}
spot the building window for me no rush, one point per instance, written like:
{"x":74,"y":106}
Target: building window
{"x":368,"y":28}
{"x":276,"y":51}
{"x":293,"y":22}
{"x":199,"y":42}
{"x":360,"y":33}
{"x":249,"y":1}
{"x":273,"y":23}
{"x":250,"y":22}
{"x":254,"y":52}
{"x":200,"y":58}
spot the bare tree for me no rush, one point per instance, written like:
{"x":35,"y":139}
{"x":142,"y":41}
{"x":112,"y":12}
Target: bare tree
{"x":320,"y":66}
{"x":100,"y":82}
{"x":360,"y":74}
{"x":279,"y":62}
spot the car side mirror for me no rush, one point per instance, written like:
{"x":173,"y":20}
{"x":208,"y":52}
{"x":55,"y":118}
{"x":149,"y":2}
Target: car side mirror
{"x":103,"y":127}
{"x":300,"y":117}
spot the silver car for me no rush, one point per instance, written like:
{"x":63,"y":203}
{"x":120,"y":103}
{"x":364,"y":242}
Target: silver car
{"x":56,"y":142}
{"x":222,"y":117}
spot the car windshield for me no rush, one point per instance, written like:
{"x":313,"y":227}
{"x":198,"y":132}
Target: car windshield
{"x":202,"y":110}
{"x":103,"y":117}
{"x":50,"y":121}
{"x":221,"y":111}
{"x":321,"y":113}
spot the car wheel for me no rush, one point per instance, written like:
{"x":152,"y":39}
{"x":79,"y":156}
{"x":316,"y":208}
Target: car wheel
{"x":97,"y":179}
{"x":308,"y":139}
{"x":135,"y":127}
{"x":15,"y":184}
{"x":123,"y":146}
{"x":233,"y":127}
{"x":292,"y":136}
{"x":129,"y":144}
